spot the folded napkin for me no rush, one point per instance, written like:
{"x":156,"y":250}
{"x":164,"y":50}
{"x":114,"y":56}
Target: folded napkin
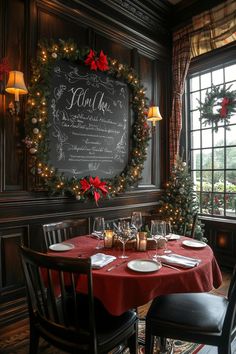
{"x":179,"y":260}
{"x":99,"y":260}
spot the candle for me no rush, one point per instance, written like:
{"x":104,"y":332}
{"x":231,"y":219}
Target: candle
{"x":141,"y":241}
{"x":108,"y":238}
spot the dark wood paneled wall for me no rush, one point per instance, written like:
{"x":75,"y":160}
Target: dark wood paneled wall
{"x":137,"y":35}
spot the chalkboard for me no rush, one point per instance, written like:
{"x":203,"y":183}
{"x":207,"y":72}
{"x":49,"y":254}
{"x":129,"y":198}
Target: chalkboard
{"x":87,"y":122}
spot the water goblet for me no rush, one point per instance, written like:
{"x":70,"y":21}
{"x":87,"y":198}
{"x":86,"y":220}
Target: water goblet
{"x":157,"y":232}
{"x":98,"y":230}
{"x":136,"y":220}
{"x":168,"y":233}
{"x":124,"y":234}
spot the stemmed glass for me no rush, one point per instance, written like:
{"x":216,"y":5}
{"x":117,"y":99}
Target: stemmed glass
{"x":168,"y":233}
{"x":98,"y":229}
{"x":136,"y":220}
{"x":157,"y":232}
{"x":124,"y":234}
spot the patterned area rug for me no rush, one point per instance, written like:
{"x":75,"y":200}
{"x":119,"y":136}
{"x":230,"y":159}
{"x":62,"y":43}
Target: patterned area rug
{"x":19,"y":344}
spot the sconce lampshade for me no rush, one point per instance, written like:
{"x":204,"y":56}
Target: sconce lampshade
{"x":154,"y":114}
{"x":16,"y":84}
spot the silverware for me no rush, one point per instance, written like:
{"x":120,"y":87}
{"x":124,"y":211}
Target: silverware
{"x":169,"y":266}
{"x":115,"y":266}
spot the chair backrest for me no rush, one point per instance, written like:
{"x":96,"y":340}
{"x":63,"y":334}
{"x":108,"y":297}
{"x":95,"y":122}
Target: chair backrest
{"x":54,"y":305}
{"x":229,"y":322}
{"x":59,"y":231}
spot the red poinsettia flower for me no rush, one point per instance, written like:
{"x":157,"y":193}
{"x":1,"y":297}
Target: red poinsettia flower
{"x":224,"y":107}
{"x":95,"y":185}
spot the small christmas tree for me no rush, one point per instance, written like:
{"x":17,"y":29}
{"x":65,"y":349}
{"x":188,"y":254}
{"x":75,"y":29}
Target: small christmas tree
{"x":179,"y":203}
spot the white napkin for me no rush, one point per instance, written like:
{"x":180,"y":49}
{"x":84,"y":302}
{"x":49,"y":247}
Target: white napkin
{"x":179,"y":260}
{"x":99,"y":260}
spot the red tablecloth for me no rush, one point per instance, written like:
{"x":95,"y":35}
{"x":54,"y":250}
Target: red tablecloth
{"x":122,"y":288}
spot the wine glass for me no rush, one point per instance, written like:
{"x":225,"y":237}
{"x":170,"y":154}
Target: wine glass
{"x":124,"y":234}
{"x":136,"y":220}
{"x":168,"y":233}
{"x":98,"y":229}
{"x":157,"y":232}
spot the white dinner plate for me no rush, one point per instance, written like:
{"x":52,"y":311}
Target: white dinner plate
{"x":61,"y":247}
{"x":194,"y":243}
{"x":144,"y":265}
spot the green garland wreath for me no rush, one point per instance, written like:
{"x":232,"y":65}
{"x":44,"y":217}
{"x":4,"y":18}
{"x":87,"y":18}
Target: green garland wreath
{"x":222,"y":97}
{"x":37,"y":124}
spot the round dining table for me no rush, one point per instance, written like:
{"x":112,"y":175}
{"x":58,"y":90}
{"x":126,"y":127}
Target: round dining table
{"x":123,"y":288}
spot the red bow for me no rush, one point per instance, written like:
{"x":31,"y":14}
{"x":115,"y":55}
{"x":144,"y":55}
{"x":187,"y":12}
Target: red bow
{"x":224,"y":109}
{"x":95,"y":63}
{"x":95,"y":185}
{"x":4,"y":67}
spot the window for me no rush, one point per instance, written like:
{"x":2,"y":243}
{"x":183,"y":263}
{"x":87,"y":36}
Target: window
{"x":213,"y":154}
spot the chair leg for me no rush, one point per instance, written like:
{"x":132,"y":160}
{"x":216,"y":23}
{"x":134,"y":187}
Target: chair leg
{"x":224,"y":349}
{"x":132,"y":341}
{"x":149,"y":340}
{"x":34,"y":341}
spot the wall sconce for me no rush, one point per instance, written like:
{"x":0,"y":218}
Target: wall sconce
{"x":16,"y":86}
{"x":154,"y":115}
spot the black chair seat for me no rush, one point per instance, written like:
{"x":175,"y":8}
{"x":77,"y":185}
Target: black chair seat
{"x":190,"y":312}
{"x":193,"y":317}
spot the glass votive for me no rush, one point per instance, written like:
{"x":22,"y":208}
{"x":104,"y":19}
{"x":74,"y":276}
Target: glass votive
{"x":108,"y":238}
{"x":141,"y":241}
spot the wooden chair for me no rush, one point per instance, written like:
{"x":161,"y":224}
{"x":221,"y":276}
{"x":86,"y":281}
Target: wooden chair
{"x":70,"y":321}
{"x":59,"y":231}
{"x":194,"y":317}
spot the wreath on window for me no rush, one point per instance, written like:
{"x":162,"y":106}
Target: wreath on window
{"x":219,"y":105}
{"x":89,"y":187}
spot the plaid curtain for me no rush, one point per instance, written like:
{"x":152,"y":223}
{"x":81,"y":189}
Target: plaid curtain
{"x":214,"y":28}
{"x":209,"y":30}
{"x":180,"y":63}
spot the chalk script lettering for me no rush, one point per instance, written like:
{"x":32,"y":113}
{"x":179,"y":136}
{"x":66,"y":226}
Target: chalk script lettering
{"x":81,"y":98}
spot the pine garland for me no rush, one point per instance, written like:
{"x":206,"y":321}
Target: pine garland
{"x":37,"y":122}
{"x":218,"y":97}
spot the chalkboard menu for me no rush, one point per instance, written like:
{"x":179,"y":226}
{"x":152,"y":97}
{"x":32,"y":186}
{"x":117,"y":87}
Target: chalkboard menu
{"x":88,"y":122}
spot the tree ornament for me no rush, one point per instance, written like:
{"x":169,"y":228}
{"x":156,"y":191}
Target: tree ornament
{"x":219,"y":105}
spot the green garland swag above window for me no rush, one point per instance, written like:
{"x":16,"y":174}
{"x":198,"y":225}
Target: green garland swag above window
{"x":219,"y":105}
{"x":89,"y":187}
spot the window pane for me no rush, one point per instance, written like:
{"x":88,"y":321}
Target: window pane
{"x":218,"y":204}
{"x":195,"y":137}
{"x":230,"y":73}
{"x":206,"y":138}
{"x":195,"y":159}
{"x":217,"y":77}
{"x":206,"y":203}
{"x":205,"y":80}
{"x":219,"y":137}
{"x":230,"y":204}
{"x":207,"y":159}
{"x":233,"y":119}
{"x":231,"y":157}
{"x":195,"y":122}
{"x":231,"y":135}
{"x":219,"y":161}
{"x":218,"y":180}
{"x":194,"y":100}
{"x":230,"y":177}
{"x":194,"y":83}
{"x":207,"y":180}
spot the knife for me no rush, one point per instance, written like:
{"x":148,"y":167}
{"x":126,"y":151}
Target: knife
{"x":115,"y":266}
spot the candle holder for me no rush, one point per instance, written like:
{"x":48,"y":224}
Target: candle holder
{"x":108,"y":238}
{"x":141,"y":241}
